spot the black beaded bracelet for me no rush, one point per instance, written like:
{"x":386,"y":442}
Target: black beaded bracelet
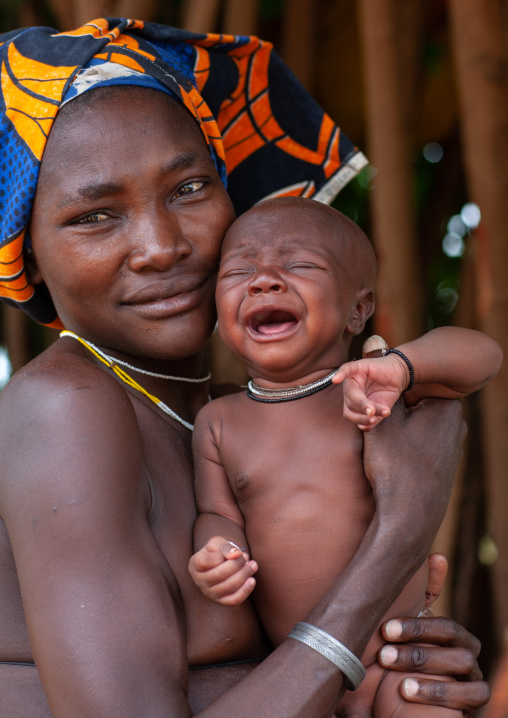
{"x":409,"y":365}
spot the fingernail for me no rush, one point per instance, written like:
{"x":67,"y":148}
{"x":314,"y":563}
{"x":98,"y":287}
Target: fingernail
{"x":393,"y":629}
{"x":410,"y":687}
{"x":389,"y":655}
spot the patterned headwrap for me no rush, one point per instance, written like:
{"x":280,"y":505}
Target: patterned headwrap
{"x":263,"y":130}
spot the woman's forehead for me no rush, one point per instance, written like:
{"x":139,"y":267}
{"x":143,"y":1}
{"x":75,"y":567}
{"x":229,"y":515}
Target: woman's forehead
{"x":110,"y":105}
{"x":119,"y":128}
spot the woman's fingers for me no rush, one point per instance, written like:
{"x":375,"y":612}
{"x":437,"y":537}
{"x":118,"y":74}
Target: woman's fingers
{"x":438,"y":568}
{"x":373,"y":346}
{"x":438,"y":631}
{"x":467,"y":697}
{"x":457,"y":662}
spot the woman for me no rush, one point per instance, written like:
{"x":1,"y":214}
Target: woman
{"x":127,"y":214}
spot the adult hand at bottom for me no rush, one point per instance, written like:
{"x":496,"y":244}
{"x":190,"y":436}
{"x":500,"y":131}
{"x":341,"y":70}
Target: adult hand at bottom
{"x":447,"y":650}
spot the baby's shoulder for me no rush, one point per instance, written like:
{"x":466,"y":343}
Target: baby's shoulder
{"x":221,"y":410}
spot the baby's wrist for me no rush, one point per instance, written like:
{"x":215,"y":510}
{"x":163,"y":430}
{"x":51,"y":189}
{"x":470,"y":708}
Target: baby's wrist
{"x":406,"y":365}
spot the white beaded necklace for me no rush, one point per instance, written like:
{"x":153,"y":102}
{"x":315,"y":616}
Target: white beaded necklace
{"x":112,"y":364}
{"x":190,"y":380}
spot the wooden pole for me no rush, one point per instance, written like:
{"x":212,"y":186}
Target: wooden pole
{"x":137,"y":9}
{"x":63,"y":11}
{"x":482,"y":64}
{"x":399,"y":313}
{"x":200,"y":15}
{"x":16,"y":336}
{"x":498,"y":705}
{"x":241,"y":17}
{"x":298,"y":42}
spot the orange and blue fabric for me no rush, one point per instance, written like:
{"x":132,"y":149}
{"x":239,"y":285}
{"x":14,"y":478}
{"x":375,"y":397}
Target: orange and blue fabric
{"x":265,"y":133}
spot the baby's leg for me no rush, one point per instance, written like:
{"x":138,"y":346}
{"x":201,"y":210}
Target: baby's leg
{"x":388,"y":702}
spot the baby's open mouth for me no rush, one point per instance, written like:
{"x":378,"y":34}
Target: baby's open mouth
{"x":272,"y":322}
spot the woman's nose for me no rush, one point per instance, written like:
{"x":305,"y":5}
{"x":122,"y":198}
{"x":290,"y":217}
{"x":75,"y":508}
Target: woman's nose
{"x":158,"y":243}
{"x":266,"y":281}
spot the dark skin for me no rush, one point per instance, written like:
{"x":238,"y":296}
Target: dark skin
{"x":295,"y":284}
{"x":96,"y":491}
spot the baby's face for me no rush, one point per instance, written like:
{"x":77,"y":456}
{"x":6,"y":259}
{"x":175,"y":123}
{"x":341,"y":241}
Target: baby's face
{"x":284,"y":294}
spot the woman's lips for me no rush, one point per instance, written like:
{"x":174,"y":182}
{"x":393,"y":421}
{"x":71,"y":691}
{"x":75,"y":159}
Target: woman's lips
{"x":169,"y":300}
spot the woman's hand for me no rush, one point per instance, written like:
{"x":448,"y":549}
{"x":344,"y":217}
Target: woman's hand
{"x":453,"y":653}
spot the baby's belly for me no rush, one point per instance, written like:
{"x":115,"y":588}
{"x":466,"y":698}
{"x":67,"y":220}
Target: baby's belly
{"x":301,"y":549}
{"x":299,"y":562}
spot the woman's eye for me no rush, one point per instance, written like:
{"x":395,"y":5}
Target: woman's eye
{"x":189,"y":188}
{"x":92,"y":218}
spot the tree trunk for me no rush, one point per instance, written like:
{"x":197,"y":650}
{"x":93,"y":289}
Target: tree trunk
{"x":399,"y":314}
{"x":481,"y":60}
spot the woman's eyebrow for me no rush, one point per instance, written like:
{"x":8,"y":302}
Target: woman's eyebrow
{"x":181,"y":162}
{"x":97,"y":190}
{"x":92,"y":191}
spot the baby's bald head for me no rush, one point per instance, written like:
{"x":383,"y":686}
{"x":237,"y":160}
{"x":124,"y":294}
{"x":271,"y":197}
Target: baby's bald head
{"x":282,"y":218}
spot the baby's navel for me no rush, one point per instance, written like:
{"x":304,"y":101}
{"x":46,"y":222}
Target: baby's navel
{"x":241,"y":481}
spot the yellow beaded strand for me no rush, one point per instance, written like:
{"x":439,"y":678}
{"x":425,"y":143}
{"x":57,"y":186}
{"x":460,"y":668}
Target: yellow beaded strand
{"x":126,"y":378}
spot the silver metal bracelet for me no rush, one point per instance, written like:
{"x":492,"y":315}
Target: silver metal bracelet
{"x":332,"y":649}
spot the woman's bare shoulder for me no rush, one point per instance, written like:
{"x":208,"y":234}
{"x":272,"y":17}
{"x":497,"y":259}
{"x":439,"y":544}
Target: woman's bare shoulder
{"x":62,"y":409}
{"x":55,"y":378}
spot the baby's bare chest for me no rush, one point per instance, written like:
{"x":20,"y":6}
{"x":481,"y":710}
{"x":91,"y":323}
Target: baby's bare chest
{"x":278,"y":459}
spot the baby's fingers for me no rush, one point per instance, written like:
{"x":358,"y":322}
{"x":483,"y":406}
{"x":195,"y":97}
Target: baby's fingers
{"x":229,"y":585}
{"x":356,"y":400}
{"x":216,"y":551}
{"x":346,"y":370}
{"x":359,"y":409}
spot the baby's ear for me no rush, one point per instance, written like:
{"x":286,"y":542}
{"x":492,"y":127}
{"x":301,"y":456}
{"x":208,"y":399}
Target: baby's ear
{"x":361,"y":311}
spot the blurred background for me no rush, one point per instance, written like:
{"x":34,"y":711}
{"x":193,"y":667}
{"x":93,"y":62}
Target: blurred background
{"x":421,"y":86}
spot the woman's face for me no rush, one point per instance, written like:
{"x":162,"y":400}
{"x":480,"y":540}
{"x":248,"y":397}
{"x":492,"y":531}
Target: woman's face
{"x":127,"y":224}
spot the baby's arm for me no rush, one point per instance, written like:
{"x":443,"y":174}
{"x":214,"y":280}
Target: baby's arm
{"x":448,"y":362}
{"x":220,"y":567}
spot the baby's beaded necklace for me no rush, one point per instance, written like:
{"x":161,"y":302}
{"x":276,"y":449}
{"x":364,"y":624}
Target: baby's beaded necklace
{"x":112,"y":363}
